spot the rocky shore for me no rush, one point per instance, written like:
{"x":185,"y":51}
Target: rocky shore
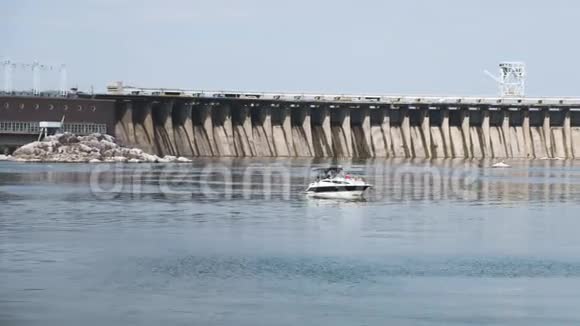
{"x":94,"y":148}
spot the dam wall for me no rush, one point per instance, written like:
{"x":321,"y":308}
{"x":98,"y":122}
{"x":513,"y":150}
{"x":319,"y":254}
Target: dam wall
{"x":234,"y":127}
{"x":201,"y":124}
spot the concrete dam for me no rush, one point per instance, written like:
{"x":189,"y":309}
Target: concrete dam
{"x":195,"y":124}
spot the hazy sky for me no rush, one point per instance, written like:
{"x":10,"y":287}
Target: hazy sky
{"x":369,"y":46}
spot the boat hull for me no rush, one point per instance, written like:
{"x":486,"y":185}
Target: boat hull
{"x":352,"y":194}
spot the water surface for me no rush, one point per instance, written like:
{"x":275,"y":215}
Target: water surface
{"x":222,"y":242}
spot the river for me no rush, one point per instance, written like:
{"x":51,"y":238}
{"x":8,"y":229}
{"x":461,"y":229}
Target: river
{"x":235,"y":242}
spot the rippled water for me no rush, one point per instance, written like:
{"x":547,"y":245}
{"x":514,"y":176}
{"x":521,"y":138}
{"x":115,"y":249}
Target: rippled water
{"x":236,"y":243}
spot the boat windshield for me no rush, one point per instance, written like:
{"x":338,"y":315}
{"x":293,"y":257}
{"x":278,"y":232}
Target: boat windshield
{"x":329,"y":173}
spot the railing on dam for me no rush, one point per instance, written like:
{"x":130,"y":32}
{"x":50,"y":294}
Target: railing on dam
{"x":33,"y":127}
{"x":379,"y":99}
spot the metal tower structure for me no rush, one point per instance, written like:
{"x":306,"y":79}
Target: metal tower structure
{"x":36,"y":68}
{"x":62,"y":72}
{"x":7,"y":67}
{"x":36,"y":78}
{"x":511,"y":80}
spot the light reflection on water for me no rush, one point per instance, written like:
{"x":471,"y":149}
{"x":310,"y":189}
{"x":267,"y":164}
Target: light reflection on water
{"x":434,"y":243}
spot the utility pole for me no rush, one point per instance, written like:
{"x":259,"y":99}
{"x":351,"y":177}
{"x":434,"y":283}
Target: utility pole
{"x":7,"y":66}
{"x":62,"y":72}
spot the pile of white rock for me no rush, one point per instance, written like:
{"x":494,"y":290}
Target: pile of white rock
{"x":94,"y":148}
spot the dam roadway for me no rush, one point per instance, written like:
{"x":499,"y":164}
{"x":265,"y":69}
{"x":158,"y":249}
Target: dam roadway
{"x":253,"y":124}
{"x":241,"y":124}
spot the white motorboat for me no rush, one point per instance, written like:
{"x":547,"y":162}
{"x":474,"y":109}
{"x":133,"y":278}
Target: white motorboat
{"x":335,"y":183}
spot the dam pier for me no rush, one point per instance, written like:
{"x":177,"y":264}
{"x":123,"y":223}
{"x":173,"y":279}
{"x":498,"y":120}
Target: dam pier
{"x":241,"y":124}
{"x":222,"y":124}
